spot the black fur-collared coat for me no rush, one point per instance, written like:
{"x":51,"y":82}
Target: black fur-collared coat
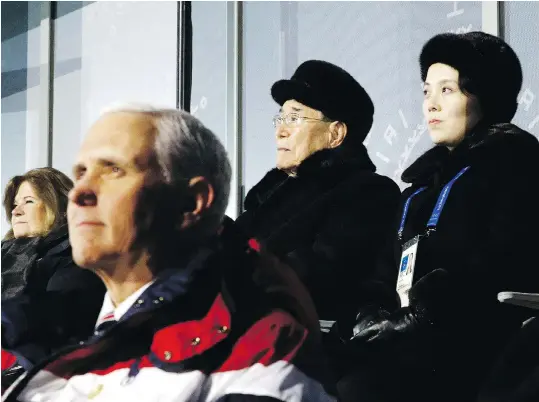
{"x":486,"y":242}
{"x":327,"y":223}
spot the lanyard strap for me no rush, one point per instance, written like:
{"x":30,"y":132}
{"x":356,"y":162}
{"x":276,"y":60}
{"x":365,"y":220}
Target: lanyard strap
{"x":438,"y":208}
{"x":433,"y":221}
{"x":405,"y":210}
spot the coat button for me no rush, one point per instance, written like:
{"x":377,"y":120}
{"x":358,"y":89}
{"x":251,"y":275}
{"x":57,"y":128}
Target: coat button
{"x":195,"y":341}
{"x":168,"y":355}
{"x":223,"y":329}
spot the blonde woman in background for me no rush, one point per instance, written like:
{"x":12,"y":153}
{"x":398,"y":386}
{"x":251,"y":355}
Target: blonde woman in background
{"x":36,"y":254}
{"x":36,"y":258}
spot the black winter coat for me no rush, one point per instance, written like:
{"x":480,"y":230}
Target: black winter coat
{"x":34,"y":269}
{"x":327,"y":223}
{"x":41,"y":264}
{"x":486,"y":242}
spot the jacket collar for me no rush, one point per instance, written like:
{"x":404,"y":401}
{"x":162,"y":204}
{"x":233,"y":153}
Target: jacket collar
{"x":55,"y":242}
{"x":329,"y":164}
{"x":439,"y":159}
{"x":328,"y":160}
{"x":195,"y":281}
{"x":178,"y":285}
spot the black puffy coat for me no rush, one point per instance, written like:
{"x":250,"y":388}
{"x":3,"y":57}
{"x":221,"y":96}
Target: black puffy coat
{"x":486,"y":242}
{"x":327,"y":223}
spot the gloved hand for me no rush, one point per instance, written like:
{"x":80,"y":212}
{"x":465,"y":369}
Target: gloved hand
{"x":373,"y":299}
{"x":367,"y":317}
{"x":384,"y":327}
{"x":428,"y":304}
{"x":344,"y":328}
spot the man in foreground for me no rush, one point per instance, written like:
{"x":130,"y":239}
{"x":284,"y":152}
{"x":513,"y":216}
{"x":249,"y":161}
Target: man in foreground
{"x":189,"y":313}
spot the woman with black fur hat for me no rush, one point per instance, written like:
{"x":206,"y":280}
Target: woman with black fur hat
{"x":468,"y":228}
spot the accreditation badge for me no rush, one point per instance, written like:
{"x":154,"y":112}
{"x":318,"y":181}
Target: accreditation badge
{"x":406,"y":270}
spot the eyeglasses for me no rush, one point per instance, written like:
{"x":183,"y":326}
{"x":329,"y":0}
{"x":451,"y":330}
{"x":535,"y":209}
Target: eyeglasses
{"x":292,"y":119}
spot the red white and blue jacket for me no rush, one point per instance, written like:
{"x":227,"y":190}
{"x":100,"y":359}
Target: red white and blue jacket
{"x":218,"y":329}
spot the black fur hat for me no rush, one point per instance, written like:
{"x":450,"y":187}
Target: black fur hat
{"x":333,"y":91}
{"x":488,"y":68}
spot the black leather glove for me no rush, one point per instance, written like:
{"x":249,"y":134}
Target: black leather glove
{"x":384,"y":327}
{"x":344,"y":329}
{"x":374,"y":300}
{"x":428,"y":304}
{"x":367,"y":317}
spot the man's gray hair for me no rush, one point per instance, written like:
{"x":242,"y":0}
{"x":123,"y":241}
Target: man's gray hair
{"x":184,"y":149}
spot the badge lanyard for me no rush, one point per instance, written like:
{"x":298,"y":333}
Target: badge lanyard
{"x":409,"y":256}
{"x":438,"y":208}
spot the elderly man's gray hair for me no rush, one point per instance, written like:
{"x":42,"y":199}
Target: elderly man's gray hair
{"x":184,"y":149}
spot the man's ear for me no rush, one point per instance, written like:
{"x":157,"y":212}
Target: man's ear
{"x":202,"y":194}
{"x":337,"y":132}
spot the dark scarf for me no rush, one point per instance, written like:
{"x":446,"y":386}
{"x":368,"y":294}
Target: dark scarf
{"x":21,"y":256}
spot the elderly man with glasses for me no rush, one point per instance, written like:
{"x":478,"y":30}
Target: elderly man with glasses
{"x":323,"y":210}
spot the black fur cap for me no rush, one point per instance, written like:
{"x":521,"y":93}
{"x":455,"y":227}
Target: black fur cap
{"x":488,"y":67}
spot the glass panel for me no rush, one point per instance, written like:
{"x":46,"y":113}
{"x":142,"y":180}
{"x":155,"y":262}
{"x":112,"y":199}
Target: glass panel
{"x":20,"y":88}
{"x":208,"y":94}
{"x":108,"y":53}
{"x":522,"y":33}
